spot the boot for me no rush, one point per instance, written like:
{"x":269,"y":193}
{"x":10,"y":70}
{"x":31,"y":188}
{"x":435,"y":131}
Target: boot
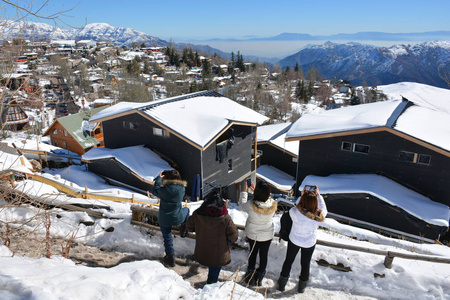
{"x":282,"y":281}
{"x":183,"y":230}
{"x":169,"y":260}
{"x":249,"y":276}
{"x":302,"y":285}
{"x":259,"y":276}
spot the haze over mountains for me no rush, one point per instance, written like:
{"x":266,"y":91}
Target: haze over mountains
{"x":352,"y":61}
{"x":359,"y":36}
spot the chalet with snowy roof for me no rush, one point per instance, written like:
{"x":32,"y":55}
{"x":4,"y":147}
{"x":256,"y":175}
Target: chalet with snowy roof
{"x":75,"y":133}
{"x":405,"y":140}
{"x":209,"y":138}
{"x":86,"y":44}
{"x":277,"y":158}
{"x":13,"y":116}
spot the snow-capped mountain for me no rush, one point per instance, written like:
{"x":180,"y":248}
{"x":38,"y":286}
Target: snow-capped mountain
{"x":376,"y":65}
{"x":119,"y":36}
{"x":31,"y":30}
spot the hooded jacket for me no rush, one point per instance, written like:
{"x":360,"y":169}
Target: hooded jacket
{"x":259,"y":225}
{"x":214,"y":229}
{"x":305,"y":224}
{"x":171,"y":193}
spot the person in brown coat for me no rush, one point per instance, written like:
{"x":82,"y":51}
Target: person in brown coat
{"x":214,"y":231}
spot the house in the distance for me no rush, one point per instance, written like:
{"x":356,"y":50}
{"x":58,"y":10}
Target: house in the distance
{"x":13,"y":116}
{"x":75,"y":133}
{"x":210,"y":139}
{"x":405,"y":140}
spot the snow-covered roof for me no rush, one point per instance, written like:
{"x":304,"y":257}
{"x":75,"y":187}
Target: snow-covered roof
{"x":275,"y":177}
{"x":423,"y":116}
{"x":385,"y":189}
{"x":198,"y":117}
{"x":276,"y":135}
{"x":139,"y":159}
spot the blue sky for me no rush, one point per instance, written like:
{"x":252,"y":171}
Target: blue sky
{"x":202,"y":19}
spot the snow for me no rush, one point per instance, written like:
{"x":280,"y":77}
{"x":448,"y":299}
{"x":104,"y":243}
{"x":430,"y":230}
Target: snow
{"x":344,"y":119}
{"x":385,"y":189}
{"x":276,"y":135}
{"x":427,"y":120}
{"x":199,"y":119}
{"x":59,"y":278}
{"x":141,"y":160}
{"x":275,"y":177}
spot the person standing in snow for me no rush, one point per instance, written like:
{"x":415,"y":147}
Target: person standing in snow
{"x":259,"y":229}
{"x":170,"y":189}
{"x":306,"y":216}
{"x":214,"y":231}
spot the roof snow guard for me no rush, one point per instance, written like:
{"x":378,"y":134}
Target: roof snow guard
{"x":184,"y":97}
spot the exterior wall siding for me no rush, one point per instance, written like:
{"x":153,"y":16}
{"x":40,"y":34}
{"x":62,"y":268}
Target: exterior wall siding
{"x":180,"y":154}
{"x":240,"y":155}
{"x":323,"y":157}
{"x":277,"y":158}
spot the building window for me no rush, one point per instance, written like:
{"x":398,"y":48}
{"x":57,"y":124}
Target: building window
{"x":424,"y":159}
{"x":361,"y":148}
{"x":347,"y":146}
{"x":55,"y":132}
{"x":407,"y":156}
{"x":129,"y":125}
{"x":414,"y":158}
{"x":160,"y":132}
{"x":65,"y":132}
{"x":353,"y":147}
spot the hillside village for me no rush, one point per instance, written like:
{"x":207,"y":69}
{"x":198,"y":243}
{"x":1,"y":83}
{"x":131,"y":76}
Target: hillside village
{"x":71,"y":93}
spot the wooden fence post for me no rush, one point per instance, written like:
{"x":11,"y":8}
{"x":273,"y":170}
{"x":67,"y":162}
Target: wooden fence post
{"x":388,"y":261}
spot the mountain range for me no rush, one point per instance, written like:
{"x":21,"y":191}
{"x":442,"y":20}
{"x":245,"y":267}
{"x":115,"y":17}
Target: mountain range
{"x":360,"y":63}
{"x":355,"y":62}
{"x":119,"y":36}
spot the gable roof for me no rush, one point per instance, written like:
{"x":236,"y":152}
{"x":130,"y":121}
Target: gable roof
{"x":198,"y":117}
{"x":275,"y":134}
{"x":77,"y":124}
{"x":12,"y":113}
{"x":420,"y":118}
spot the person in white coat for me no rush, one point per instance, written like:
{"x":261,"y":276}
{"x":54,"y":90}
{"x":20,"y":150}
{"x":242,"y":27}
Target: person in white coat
{"x":259,"y":229}
{"x":306,"y":216}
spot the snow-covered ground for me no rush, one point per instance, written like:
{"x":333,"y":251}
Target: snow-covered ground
{"x":59,"y":278}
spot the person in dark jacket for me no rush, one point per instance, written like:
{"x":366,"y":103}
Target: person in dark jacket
{"x":214,"y":230}
{"x":170,"y":189}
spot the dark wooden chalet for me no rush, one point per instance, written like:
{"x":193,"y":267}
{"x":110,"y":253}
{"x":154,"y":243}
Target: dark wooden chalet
{"x":405,"y":141}
{"x":209,"y":138}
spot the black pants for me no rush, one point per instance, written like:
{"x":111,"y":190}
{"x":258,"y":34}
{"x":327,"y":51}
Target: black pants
{"x":305,"y":260}
{"x":263,"y":249}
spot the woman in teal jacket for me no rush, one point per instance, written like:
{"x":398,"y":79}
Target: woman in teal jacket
{"x":170,"y":189}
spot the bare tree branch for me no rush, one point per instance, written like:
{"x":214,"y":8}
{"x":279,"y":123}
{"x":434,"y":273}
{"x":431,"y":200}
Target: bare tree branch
{"x":26,"y":9}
